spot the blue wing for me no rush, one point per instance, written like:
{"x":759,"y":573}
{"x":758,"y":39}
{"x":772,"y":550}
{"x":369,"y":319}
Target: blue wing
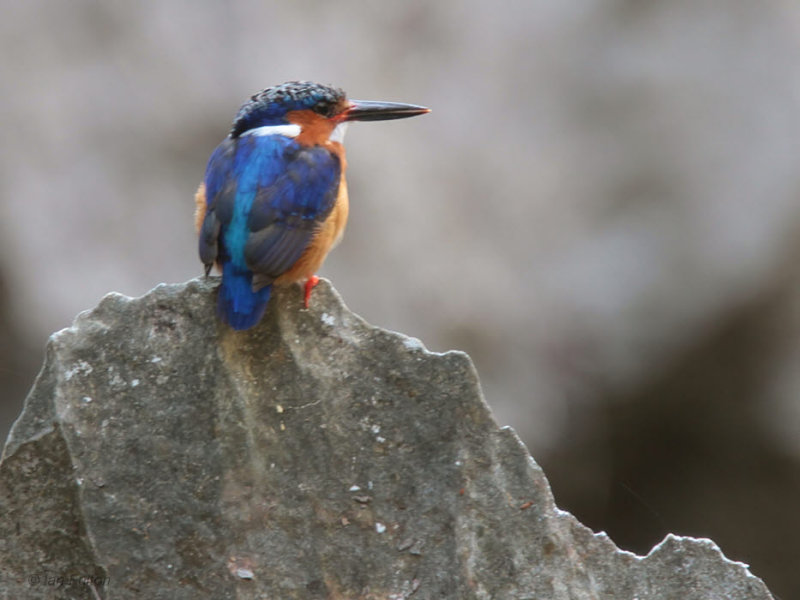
{"x":266,"y":196}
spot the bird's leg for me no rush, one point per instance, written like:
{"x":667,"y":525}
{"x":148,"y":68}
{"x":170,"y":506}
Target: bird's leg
{"x":310,"y":283}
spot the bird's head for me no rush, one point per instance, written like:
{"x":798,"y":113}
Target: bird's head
{"x":312,"y":112}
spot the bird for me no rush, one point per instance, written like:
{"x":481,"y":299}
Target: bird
{"x":273,"y":201}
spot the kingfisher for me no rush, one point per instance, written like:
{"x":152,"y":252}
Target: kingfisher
{"x":273,"y":201}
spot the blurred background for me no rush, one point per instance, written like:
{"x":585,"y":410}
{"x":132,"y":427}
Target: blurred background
{"x":603,"y":210}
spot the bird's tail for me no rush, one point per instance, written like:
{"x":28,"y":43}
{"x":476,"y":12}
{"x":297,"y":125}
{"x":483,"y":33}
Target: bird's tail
{"x":237,"y":304}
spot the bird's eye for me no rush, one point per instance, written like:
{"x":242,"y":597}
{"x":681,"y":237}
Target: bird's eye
{"x":324,"y":108}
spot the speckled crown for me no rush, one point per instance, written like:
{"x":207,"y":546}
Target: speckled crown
{"x":270,"y":105}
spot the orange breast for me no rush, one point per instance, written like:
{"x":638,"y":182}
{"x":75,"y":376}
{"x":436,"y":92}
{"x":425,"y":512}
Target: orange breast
{"x":199,"y":207}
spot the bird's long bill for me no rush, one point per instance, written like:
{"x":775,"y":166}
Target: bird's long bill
{"x":368,"y":110}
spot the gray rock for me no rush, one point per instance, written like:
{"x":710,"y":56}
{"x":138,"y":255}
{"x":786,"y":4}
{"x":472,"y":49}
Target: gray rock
{"x":163,"y":455}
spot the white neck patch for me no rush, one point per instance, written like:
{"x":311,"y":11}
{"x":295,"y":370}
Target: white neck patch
{"x":337,"y":135}
{"x":286,"y":130}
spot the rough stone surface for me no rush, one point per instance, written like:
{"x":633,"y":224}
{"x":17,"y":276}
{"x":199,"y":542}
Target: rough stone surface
{"x":162,"y":455}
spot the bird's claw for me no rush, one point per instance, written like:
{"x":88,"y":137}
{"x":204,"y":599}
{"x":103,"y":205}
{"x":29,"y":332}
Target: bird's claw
{"x":310,"y":283}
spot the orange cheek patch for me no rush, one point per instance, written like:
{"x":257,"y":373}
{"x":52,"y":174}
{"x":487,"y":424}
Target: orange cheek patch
{"x":314,"y":129}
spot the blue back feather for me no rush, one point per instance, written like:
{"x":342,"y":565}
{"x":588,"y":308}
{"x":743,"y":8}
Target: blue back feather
{"x":237,"y":304}
{"x":267,"y":194}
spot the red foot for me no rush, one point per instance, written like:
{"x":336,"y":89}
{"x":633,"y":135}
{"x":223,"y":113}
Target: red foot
{"x":310,"y":283}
